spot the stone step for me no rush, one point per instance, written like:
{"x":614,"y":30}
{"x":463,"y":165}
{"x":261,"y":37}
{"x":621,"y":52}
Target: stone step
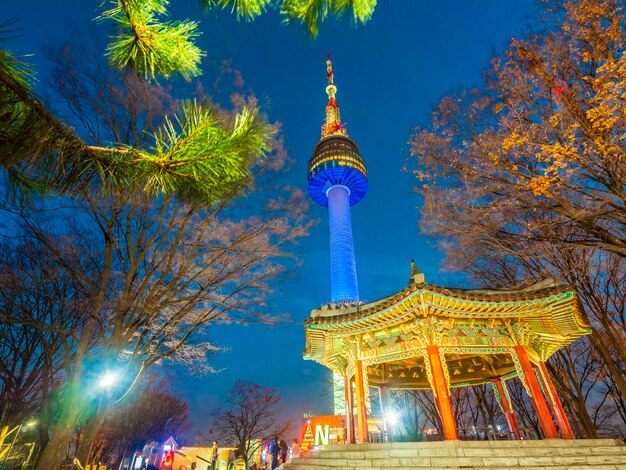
{"x":471,"y":452}
{"x":499,"y":444}
{"x":465,"y":462}
{"x":552,"y":467}
{"x":555,"y":454}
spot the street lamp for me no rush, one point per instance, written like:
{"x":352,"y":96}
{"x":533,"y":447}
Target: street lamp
{"x":108,"y":380}
{"x":392,"y":418}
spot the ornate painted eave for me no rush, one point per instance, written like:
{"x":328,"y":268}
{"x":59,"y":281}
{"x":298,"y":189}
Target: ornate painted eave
{"x":428,"y":299}
{"x":544,"y":316}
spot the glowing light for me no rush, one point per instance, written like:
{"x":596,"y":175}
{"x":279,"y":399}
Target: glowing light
{"x":107,"y":380}
{"x":392,"y":418}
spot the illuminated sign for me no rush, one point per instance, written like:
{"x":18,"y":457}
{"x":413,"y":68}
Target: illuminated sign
{"x":322,"y":431}
{"x":168,"y":459}
{"x":322,"y":434}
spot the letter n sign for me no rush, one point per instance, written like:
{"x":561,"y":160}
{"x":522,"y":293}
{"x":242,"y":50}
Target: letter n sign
{"x":321,"y":435}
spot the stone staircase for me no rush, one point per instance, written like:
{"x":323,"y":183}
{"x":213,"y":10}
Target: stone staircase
{"x":552,"y":454}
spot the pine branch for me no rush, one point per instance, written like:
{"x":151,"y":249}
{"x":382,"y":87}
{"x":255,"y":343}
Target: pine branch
{"x":149,"y":45}
{"x":29,"y":133}
{"x":196,"y":155}
{"x":310,"y":13}
{"x":244,"y":9}
{"x":217,"y":156}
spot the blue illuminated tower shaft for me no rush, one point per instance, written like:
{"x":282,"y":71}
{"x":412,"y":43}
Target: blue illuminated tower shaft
{"x":338,"y":179}
{"x":344,"y":286}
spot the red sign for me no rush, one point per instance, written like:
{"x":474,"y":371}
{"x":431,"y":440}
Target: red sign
{"x":168,"y":459}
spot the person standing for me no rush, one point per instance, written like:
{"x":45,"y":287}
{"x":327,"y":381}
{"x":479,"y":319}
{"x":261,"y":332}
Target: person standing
{"x":284,"y":450}
{"x":215,"y":451}
{"x":274,"y":450}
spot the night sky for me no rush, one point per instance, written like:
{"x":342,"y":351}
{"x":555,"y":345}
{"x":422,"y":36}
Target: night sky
{"x":389,"y":74}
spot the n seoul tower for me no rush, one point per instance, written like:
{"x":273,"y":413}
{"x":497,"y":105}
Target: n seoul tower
{"x":338,"y":180}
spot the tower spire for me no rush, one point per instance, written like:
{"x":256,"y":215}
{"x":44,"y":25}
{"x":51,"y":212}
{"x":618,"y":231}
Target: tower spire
{"x":333,"y":124}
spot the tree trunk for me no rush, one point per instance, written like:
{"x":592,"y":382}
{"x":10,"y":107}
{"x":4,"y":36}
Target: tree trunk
{"x":574,"y":421}
{"x":586,"y":422}
{"x":90,"y":432}
{"x":54,"y":453}
{"x":481,"y":399}
{"x":616,"y":374}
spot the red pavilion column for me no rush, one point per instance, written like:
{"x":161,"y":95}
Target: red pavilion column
{"x":555,"y":402}
{"x":361,"y":410}
{"x":537,"y":398}
{"x":506,"y":407}
{"x":347,"y":385}
{"x":441,"y":390}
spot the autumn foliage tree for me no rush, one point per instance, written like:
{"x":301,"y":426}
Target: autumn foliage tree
{"x":524,"y":176}
{"x":540,"y":147}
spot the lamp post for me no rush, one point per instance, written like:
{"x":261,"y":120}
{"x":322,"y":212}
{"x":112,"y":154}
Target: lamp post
{"x":105,"y":383}
{"x":390,"y":420}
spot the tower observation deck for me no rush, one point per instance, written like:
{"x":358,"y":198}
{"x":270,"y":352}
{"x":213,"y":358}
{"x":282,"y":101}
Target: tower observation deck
{"x":337,"y":180}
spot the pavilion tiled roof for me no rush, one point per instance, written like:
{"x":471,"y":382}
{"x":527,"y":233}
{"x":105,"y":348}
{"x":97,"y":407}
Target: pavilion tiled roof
{"x":550,"y":311}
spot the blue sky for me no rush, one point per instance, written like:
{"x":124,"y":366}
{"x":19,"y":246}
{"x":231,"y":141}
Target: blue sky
{"x":389,"y":73}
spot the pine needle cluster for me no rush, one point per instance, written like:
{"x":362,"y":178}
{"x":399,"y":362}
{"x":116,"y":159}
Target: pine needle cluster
{"x":244,"y":9}
{"x":151,"y":45}
{"x":199,"y":154}
{"x":148,"y":43}
{"x":310,"y":13}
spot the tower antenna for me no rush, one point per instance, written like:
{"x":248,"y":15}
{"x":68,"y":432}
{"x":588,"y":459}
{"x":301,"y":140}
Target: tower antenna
{"x":333,"y":124}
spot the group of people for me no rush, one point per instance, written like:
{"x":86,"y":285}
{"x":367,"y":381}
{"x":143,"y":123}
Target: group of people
{"x":278,"y":452}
